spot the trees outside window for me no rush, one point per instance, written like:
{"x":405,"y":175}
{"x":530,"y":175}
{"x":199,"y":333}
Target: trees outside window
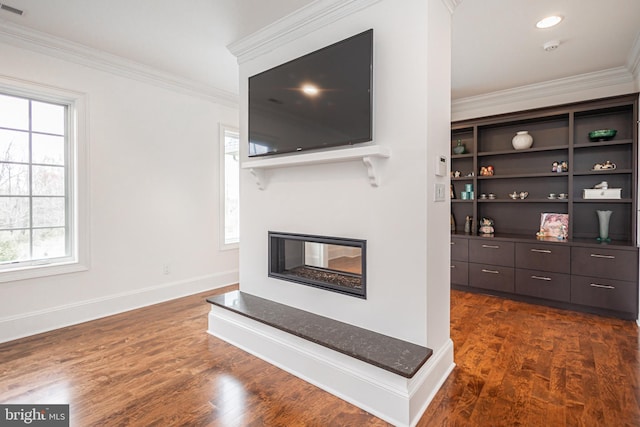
{"x":34,"y":181}
{"x":230,"y":188}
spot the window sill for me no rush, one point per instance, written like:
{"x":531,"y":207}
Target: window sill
{"x":38,"y":271}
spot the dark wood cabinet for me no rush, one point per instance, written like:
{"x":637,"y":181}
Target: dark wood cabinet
{"x":605,"y":262}
{"x":547,"y":270}
{"x":607,"y":294}
{"x":460,"y":272}
{"x":543,"y":284}
{"x":539,"y":256}
{"x":491,"y":251}
{"x":493,"y":277}
{"x":459,"y":249}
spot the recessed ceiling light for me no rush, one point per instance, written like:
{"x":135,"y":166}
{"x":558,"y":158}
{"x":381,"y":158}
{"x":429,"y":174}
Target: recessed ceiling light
{"x":310,"y":89}
{"x":549,"y":21}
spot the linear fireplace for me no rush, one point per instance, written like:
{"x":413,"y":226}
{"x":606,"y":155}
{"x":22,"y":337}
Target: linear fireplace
{"x":333,"y":263}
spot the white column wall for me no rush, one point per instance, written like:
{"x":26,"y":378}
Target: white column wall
{"x":399,"y":219}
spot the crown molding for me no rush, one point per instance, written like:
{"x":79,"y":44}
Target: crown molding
{"x":27,"y":38}
{"x":633,"y":61}
{"x":574,"y":84}
{"x":452,"y":4}
{"x":295,"y":25}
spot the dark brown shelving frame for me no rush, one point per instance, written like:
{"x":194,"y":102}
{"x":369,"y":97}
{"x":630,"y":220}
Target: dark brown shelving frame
{"x":560,"y":133}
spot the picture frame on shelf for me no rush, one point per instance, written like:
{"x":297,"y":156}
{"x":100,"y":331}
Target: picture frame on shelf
{"x":554,"y":225}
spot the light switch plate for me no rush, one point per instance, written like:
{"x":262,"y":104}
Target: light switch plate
{"x":439,"y":194}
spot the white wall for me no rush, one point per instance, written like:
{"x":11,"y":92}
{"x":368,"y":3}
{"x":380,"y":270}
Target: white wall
{"x":154,"y":191}
{"x":406,"y":232}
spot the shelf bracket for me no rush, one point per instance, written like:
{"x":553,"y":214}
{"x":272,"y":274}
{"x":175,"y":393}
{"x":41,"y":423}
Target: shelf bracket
{"x":260,"y":176}
{"x":372,"y":164}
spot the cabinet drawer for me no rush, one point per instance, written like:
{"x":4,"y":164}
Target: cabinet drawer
{"x":605,"y":293}
{"x":605,"y":263}
{"x":543,"y":284}
{"x":459,"y":272}
{"x":459,"y":249}
{"x":533,"y":256}
{"x":491,"y":252}
{"x":497,"y":278}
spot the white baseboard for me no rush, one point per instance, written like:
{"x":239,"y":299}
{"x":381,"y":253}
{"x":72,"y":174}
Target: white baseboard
{"x":398,"y":400}
{"x":35,"y":322}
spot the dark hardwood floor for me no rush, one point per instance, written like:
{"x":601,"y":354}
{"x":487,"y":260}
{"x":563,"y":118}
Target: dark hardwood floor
{"x":517,"y":364}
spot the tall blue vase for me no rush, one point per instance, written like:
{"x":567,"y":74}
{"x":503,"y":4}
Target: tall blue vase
{"x":603,"y":223}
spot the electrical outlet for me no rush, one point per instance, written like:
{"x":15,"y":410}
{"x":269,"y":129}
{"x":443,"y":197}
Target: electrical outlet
{"x":166,"y":269}
{"x":439,"y":194}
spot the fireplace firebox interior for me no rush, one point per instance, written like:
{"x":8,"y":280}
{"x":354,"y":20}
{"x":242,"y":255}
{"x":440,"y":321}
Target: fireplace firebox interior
{"x":332,"y":263}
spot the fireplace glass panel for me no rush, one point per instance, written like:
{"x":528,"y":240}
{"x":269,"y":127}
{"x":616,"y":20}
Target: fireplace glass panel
{"x":332,"y":263}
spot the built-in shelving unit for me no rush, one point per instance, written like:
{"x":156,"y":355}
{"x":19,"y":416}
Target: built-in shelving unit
{"x":560,"y":133}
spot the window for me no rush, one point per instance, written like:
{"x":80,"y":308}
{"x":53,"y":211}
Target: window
{"x":39,"y":213}
{"x":230,"y":187}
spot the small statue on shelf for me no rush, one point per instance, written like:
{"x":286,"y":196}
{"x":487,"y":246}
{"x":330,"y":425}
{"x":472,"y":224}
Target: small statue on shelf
{"x":468,"y":224}
{"x":486,"y":171}
{"x":486,"y":226}
{"x":559,"y":167}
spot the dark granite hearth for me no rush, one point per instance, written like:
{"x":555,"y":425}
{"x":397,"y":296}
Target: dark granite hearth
{"x":394,"y":355}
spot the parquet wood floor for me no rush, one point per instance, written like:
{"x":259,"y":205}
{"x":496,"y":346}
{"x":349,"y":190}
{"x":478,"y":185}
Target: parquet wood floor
{"x":526,"y":365}
{"x":156,"y":366}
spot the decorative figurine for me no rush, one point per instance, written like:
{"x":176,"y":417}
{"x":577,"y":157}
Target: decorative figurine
{"x":486,"y":226}
{"x":559,"y":167}
{"x":486,"y":171}
{"x":604,"y":166}
{"x":468,"y":224}
{"x":452,"y":191}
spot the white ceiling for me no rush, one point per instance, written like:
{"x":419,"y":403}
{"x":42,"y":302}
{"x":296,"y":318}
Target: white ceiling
{"x":495,"y":43}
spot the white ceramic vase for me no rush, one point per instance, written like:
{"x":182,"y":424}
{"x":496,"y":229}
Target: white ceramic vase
{"x":522,"y":140}
{"x":603,"y":225}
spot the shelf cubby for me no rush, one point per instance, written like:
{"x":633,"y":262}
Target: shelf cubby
{"x":559,"y":134}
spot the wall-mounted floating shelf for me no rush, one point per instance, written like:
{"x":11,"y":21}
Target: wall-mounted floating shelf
{"x":370,"y":155}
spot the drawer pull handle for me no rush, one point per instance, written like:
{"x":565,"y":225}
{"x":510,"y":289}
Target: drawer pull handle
{"x":491,"y":246}
{"x":453,"y":243}
{"x":453,"y":266}
{"x":542,"y":251}
{"x":490,"y":271}
{"x":603,"y":256}
{"x":595,"y":285}
{"x":548,"y":279}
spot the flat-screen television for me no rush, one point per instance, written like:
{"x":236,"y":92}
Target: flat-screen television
{"x":322,"y":99}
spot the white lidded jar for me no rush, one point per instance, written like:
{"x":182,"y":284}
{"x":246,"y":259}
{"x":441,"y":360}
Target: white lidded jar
{"x":522,"y":140}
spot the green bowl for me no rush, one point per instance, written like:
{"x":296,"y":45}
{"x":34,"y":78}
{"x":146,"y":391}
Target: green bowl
{"x":602,"y":134}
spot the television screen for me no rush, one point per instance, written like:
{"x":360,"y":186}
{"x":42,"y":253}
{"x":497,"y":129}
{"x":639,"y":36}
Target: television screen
{"x":322,"y":99}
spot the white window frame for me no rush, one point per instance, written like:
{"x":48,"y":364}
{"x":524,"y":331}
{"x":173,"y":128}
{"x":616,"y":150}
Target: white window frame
{"x":78,"y":193}
{"x":223,"y":129}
